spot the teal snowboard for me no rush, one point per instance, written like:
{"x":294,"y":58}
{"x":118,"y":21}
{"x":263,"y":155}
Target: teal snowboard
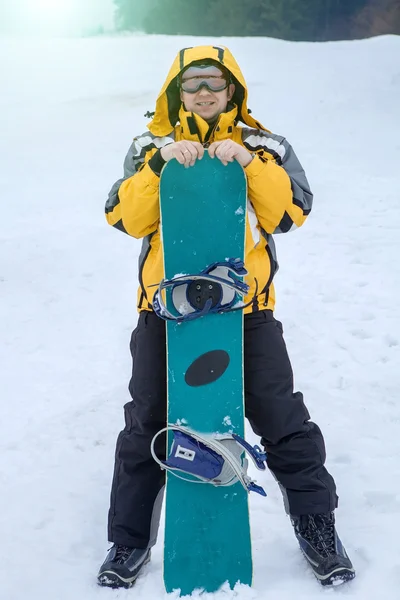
{"x":207,"y":530}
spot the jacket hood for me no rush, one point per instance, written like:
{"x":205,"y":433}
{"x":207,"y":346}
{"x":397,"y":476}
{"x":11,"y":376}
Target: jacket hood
{"x":169,"y":103}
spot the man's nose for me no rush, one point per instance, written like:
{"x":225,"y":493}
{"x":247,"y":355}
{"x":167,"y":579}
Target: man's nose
{"x":204,"y":91}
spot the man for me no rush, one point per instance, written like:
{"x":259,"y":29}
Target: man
{"x":200,"y":105}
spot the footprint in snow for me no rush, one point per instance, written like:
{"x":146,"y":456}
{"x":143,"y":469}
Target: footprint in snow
{"x":342,"y":459}
{"x":361,"y":334}
{"x":382,"y":501}
{"x":391,"y":341}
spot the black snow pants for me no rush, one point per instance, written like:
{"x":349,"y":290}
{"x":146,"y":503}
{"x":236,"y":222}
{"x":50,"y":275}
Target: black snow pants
{"x":294,"y":445}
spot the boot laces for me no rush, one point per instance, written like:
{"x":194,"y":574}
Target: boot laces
{"x":320,"y":532}
{"x":122,"y":553}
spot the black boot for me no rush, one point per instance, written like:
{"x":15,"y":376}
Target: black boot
{"x":122,"y":566}
{"x":322,"y":548}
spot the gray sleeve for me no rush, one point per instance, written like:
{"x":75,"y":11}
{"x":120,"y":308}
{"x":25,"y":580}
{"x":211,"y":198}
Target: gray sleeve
{"x":132,"y":163}
{"x":302,"y":195}
{"x":268,"y":145}
{"x":134,"y":160}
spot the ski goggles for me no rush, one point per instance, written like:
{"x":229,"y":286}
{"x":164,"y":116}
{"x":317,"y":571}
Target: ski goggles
{"x":208,"y":76}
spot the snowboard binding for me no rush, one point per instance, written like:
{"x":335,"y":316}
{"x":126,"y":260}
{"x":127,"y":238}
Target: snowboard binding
{"x":217,"y":289}
{"x":216,"y":459}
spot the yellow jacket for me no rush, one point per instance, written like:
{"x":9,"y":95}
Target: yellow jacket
{"x":279,"y":197}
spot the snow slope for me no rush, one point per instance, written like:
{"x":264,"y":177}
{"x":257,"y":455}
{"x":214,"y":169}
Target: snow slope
{"x":69,"y":109}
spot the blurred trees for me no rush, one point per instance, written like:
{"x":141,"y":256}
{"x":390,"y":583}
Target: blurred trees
{"x":378,"y":17}
{"x":315,"y":20}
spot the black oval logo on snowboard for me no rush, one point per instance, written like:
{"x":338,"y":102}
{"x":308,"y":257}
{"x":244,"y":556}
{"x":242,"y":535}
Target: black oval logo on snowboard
{"x":207,"y":368}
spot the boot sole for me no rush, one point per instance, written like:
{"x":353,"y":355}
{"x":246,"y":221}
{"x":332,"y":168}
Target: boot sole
{"x":335,"y":578}
{"x":112,"y":580}
{"x":338,"y":577}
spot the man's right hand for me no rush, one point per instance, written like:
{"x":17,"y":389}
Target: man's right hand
{"x":185,"y":152}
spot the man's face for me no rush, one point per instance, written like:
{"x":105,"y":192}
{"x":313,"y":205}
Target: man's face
{"x":213,"y":93}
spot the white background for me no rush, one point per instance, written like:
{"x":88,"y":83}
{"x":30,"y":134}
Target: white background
{"x":69,"y":110}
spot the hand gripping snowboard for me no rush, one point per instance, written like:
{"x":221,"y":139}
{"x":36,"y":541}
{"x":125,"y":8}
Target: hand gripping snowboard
{"x":207,"y":530}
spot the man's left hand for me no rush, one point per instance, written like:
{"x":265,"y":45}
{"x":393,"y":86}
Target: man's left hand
{"x":228,"y":151}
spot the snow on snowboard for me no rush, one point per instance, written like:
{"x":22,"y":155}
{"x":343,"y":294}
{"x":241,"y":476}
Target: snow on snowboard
{"x":207,"y":529}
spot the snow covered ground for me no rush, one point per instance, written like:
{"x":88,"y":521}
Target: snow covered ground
{"x":69,"y":109}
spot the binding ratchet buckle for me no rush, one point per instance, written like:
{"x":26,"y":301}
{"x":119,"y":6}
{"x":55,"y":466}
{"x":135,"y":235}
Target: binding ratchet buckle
{"x":217,"y":459}
{"x":217,"y":289}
